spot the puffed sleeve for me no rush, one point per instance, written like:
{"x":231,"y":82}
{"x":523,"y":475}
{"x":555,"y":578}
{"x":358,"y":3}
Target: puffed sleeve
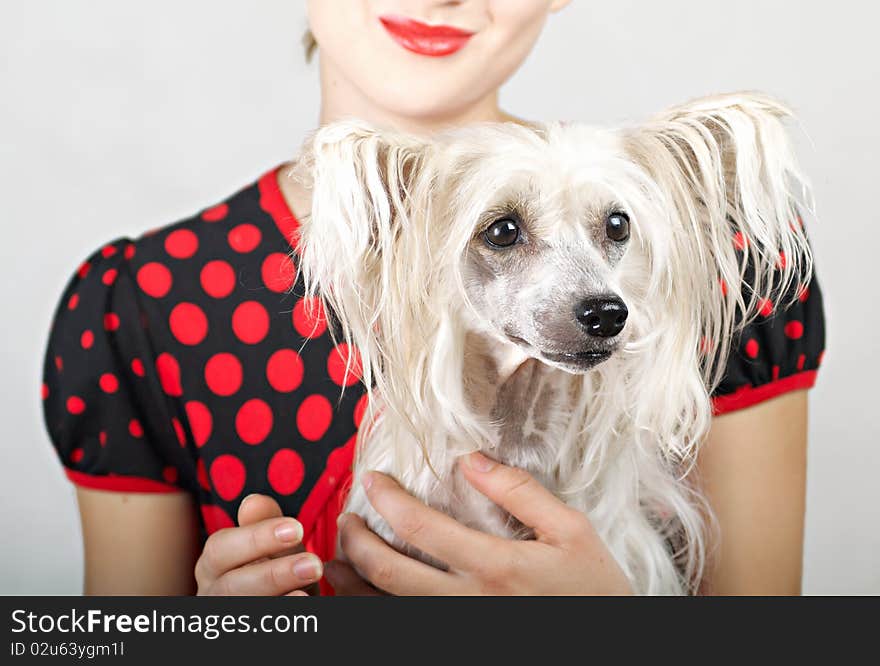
{"x":780,"y":351}
{"x":103,"y":407}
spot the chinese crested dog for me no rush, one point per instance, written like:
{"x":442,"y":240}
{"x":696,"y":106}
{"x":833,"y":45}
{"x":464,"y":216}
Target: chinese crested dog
{"x":562,"y":298}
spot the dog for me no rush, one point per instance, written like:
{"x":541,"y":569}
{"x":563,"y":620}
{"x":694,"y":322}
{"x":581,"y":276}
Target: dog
{"x":562,"y":298}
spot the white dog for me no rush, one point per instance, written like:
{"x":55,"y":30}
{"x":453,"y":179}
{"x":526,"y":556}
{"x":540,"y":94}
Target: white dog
{"x":560,"y":297}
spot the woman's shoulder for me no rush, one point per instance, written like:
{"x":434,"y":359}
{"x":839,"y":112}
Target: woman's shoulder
{"x":251,"y":223}
{"x":194,"y":339}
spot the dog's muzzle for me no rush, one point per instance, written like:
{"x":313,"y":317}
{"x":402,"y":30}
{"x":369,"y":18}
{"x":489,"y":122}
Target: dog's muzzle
{"x":602,"y":317}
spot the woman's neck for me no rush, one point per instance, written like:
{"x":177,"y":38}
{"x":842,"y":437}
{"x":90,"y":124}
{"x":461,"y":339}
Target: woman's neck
{"x":341,"y":99}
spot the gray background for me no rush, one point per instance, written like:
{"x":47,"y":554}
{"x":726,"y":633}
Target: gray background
{"x":118,"y":117}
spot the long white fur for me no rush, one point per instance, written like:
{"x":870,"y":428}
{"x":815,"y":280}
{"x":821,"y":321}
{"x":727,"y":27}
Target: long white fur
{"x":384,"y":244}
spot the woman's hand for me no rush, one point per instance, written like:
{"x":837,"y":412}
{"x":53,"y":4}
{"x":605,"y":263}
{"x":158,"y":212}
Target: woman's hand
{"x":567,"y":557}
{"x":263,"y":556}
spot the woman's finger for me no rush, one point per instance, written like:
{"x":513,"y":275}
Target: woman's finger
{"x":255,"y":508}
{"x":517,"y":491}
{"x":346,"y":582}
{"x":234,"y":547}
{"x":271,"y":577}
{"x":429,"y":530}
{"x":383,"y":566}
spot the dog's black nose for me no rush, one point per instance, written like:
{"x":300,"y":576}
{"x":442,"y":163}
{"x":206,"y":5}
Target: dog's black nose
{"x":602,"y":317}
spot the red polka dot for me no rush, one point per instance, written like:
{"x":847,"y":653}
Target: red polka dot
{"x":111,"y":321}
{"x":286,"y":472}
{"x":215,"y":518}
{"x":794,"y":329}
{"x":102,"y":438}
{"x":278,"y":272}
{"x":200,"y":421}
{"x":821,"y":357}
{"x":765,"y":307}
{"x":179,"y":431}
{"x":170,"y":474}
{"x":109,"y":276}
{"x":168,"y":370}
{"x":216,"y":213}
{"x":284,"y":370}
{"x":77,"y":455}
{"x":803,"y":293}
{"x":244,"y":238}
{"x":137,"y":367}
{"x":309,"y":318}
{"x":337,"y":361}
{"x":129,"y":251}
{"x":313,"y":417}
{"x":188,"y":323}
{"x":253,"y":422}
{"x":802,"y":359}
{"x":44,"y":391}
{"x":202,"y":475}
{"x":218,"y":279}
{"x":75,"y":405}
{"x":135,"y":428}
{"x":780,"y":263}
{"x":359,"y":409}
{"x":59,"y":363}
{"x":83,"y":269}
{"x":108,"y":251}
{"x":227,"y":476}
{"x":775,"y":373}
{"x":154,"y":279}
{"x":250,"y":322}
{"x":223,"y":374}
{"x":108,"y":383}
{"x":73,"y":302}
{"x":87,"y":339}
{"x":723,"y":287}
{"x":752,"y":348}
{"x":740,"y":241}
{"x":181,"y":244}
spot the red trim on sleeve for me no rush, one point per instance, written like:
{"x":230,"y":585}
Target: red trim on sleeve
{"x":118,"y":483}
{"x":273,"y":202}
{"x":748,"y":395}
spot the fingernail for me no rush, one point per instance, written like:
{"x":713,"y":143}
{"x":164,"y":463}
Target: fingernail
{"x":341,"y":518}
{"x":477,"y":461}
{"x":307,"y":568}
{"x":289,"y":532}
{"x":367,"y":480}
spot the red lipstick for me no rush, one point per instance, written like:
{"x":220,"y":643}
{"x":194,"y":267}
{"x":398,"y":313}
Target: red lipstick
{"x":424,"y":39}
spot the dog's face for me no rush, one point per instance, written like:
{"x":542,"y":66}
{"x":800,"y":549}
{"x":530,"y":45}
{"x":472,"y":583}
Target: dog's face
{"x":542,"y":264}
{"x":566,"y":243}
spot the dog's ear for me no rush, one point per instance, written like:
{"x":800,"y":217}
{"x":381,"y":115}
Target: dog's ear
{"x":731,"y":190}
{"x":366,"y":185}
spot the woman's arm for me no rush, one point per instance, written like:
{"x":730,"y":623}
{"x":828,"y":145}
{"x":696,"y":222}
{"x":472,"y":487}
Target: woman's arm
{"x":148,"y":543}
{"x":138,"y":543}
{"x":753,"y":467}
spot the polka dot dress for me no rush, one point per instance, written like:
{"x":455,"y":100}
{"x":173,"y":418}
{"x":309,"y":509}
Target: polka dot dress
{"x":186,"y":360}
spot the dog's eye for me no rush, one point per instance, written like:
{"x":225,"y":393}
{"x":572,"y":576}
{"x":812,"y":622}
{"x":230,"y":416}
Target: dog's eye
{"x":502,"y":233}
{"x":617,"y":226}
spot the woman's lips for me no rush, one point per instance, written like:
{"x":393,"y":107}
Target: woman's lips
{"x":424,"y":39}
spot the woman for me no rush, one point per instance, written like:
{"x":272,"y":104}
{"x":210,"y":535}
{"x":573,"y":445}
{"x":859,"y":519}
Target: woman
{"x":186,"y":383}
